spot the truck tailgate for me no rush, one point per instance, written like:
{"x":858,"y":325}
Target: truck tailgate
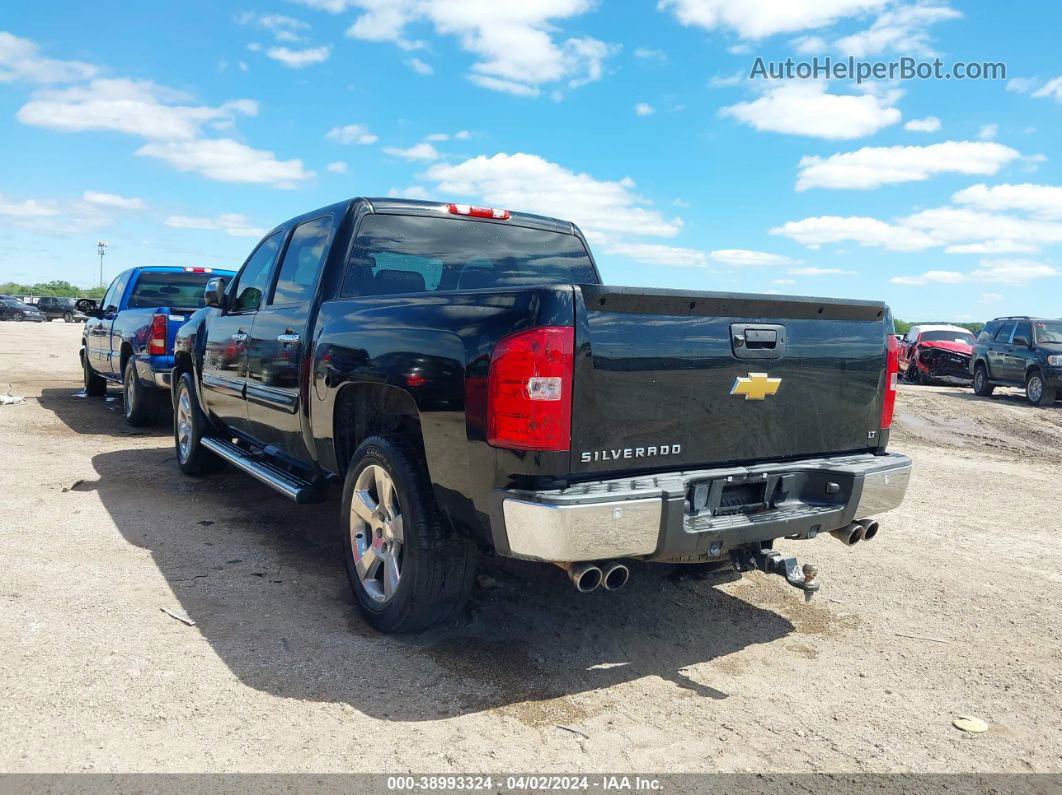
{"x":673,"y":379}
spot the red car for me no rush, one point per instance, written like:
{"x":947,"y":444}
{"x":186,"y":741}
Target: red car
{"x":941,"y":354}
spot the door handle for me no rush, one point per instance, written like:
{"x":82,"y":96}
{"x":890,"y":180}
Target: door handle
{"x":288,"y":339}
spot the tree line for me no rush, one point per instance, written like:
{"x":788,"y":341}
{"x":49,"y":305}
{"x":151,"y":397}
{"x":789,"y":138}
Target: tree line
{"x":59,"y":288}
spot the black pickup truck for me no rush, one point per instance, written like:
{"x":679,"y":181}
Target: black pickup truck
{"x":465,"y":378}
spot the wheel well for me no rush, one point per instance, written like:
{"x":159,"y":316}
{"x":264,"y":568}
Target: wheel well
{"x":182,"y":363}
{"x":126,"y":352}
{"x":1032,"y":369}
{"x":363,"y":410}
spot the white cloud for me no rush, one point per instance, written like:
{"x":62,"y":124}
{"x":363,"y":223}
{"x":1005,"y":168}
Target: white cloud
{"x":462,"y":135}
{"x":993,"y":247}
{"x":929,"y":124}
{"x":804,"y":107}
{"x":874,"y":166}
{"x":352,"y":134}
{"x":282,"y":27}
{"x":644,"y":109}
{"x":659,"y":254}
{"x":113,"y":200}
{"x":226,"y":160}
{"x":1052,"y":88}
{"x":436,"y":137}
{"x":963,"y":225}
{"x":901,"y":28}
{"x":930,"y":277}
{"x":816,"y":231}
{"x":810,"y":45}
{"x":1022,"y":85}
{"x":232,"y":224}
{"x":755,"y":19}
{"x":411,"y":192}
{"x":28,"y":208}
{"x":517,"y":44}
{"x":419,"y":66}
{"x":20,"y":60}
{"x":744,"y":258}
{"x":999,"y":271}
{"x":421,"y":151}
{"x":783,"y":281}
{"x":821,"y":272}
{"x":1042,"y":200}
{"x":680,"y":202}
{"x":649,"y":54}
{"x":988,"y":132}
{"x":136,"y":107}
{"x":1012,"y":271}
{"x":529,"y":182}
{"x":300,"y":59}
{"x":338,"y":167}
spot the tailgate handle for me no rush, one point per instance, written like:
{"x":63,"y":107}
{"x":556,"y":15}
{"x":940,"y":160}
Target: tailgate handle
{"x":757,"y":340}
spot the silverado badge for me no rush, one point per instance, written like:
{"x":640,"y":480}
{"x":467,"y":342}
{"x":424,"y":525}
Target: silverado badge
{"x":756,"y":387}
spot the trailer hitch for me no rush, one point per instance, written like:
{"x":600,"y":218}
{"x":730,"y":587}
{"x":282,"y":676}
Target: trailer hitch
{"x":771,"y":561}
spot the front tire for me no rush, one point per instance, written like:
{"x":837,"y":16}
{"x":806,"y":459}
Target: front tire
{"x":190,"y":425}
{"x":95,"y":384}
{"x":18,"y":317}
{"x":68,"y":317}
{"x":981,"y":386}
{"x":141,"y":405}
{"x":406,"y":566}
{"x":1037,"y":390}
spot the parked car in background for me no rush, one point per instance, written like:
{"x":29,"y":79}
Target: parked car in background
{"x":54,"y":307}
{"x":1020,"y":351}
{"x":465,"y":378}
{"x":128,"y":338}
{"x":932,"y":353}
{"x":13,"y":309}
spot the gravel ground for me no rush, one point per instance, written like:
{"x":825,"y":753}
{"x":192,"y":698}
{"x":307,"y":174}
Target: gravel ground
{"x":955,"y":609}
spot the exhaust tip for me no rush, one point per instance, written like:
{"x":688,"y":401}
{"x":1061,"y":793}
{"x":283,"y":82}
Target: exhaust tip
{"x":587,"y":578}
{"x":850,"y":535}
{"x":871,"y":530}
{"x":615,"y":576}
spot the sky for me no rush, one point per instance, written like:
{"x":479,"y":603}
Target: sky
{"x":181,"y":132}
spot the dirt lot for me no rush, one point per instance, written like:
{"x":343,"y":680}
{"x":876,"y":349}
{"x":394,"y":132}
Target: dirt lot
{"x":100,"y":532}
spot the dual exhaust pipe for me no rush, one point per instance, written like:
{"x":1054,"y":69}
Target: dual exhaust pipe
{"x":863,"y":530}
{"x":587,"y":577}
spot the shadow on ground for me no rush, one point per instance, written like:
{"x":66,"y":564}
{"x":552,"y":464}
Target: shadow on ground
{"x":264,"y":581}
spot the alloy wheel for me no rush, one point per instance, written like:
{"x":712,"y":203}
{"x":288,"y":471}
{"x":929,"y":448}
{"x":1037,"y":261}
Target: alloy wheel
{"x":184,"y":425}
{"x":377,"y":535}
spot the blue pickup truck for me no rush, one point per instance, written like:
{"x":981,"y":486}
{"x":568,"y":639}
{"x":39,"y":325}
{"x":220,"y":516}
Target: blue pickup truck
{"x":128,"y":337}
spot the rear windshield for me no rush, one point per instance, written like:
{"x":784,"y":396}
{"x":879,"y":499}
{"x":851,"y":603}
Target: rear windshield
{"x":1049,"y":332}
{"x":177,"y":290}
{"x":948,"y":336}
{"x":396,"y":254}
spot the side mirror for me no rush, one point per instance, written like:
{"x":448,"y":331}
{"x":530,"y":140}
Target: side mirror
{"x":88,"y":306}
{"x":1021,"y":341}
{"x":214,"y":292}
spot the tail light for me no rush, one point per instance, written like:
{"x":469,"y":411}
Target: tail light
{"x":157,"y":337}
{"x":529,"y":390}
{"x":892,"y":373}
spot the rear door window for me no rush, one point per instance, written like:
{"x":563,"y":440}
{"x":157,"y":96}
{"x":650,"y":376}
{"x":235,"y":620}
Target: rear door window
{"x":1024,"y":329}
{"x":302,"y":262}
{"x":1003,"y":335}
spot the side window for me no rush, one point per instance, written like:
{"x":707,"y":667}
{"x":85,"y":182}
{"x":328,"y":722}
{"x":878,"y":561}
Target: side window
{"x":114,"y":293}
{"x":988,"y":332}
{"x":1003,"y":335}
{"x":911,"y":334}
{"x":253,"y":280}
{"x":302,"y":261}
{"x":1024,"y":329}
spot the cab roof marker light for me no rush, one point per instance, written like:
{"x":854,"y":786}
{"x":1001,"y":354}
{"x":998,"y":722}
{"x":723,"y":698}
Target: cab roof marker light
{"x":478,"y":212}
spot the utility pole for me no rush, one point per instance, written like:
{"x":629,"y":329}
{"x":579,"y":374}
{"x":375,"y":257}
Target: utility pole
{"x":101,"y":247}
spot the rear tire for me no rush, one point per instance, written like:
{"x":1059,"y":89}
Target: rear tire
{"x":18,"y":317}
{"x":981,"y":386}
{"x":406,"y":566}
{"x":1037,"y":390}
{"x":95,"y":384}
{"x":68,"y":317}
{"x":141,"y":405}
{"x":190,"y":425}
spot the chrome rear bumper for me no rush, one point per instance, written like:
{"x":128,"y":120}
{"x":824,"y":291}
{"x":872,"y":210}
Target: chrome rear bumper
{"x":684,"y":517}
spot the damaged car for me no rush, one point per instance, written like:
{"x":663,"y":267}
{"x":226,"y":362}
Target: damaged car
{"x":937,"y":354}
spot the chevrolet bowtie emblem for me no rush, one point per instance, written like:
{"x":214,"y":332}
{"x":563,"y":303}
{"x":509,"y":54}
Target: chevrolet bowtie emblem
{"x":756,"y":387}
